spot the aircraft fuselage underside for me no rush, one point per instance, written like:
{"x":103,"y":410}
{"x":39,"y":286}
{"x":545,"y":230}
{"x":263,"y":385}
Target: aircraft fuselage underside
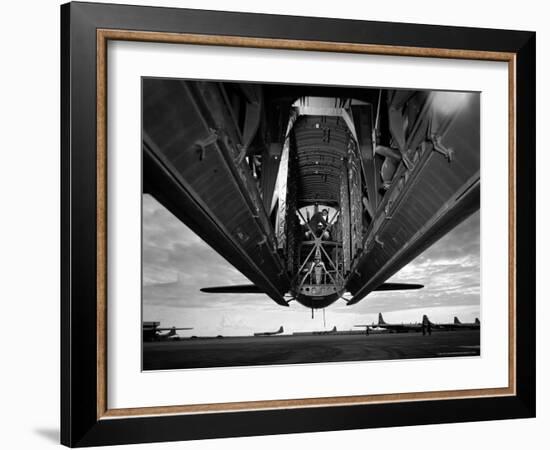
{"x":312,"y":192}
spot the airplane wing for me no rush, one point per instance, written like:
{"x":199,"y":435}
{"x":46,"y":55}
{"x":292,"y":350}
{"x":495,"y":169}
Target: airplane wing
{"x":398,"y":286}
{"x":200,"y":174}
{"x":402,"y":326}
{"x":235,"y":289}
{"x":253,"y":289}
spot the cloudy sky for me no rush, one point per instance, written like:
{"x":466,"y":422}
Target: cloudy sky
{"x":177,"y":263}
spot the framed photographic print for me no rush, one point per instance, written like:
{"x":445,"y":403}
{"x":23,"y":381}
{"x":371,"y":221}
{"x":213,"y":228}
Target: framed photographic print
{"x":277,"y":224}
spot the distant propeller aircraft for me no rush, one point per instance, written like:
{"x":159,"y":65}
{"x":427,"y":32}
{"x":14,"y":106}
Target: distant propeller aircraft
{"x":152,"y":332}
{"x":281,"y":330}
{"x":333,"y":330}
{"x":419,"y":326}
{"x":315,"y":193}
{"x":458,"y":325}
{"x":396,"y":327}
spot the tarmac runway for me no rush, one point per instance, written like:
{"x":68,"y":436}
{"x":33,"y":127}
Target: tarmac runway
{"x":288,"y":349}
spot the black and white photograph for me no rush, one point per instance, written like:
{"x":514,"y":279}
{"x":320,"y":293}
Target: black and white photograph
{"x":293,"y":224}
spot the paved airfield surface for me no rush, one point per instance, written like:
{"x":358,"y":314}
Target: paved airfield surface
{"x":246,"y":351}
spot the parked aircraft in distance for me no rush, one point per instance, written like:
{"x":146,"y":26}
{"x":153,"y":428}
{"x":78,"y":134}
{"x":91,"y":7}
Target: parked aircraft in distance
{"x":426,"y":324}
{"x":152,"y":332}
{"x":314,"y":193}
{"x":457,"y":324}
{"x":396,"y":327}
{"x":323,"y":332}
{"x":281,"y":330}
{"x":333,"y":330}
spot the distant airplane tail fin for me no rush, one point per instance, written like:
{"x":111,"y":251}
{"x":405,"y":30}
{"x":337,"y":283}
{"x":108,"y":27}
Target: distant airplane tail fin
{"x":477,"y":321}
{"x":381,"y":319}
{"x":456,"y":321}
{"x":281,"y":329}
{"x":334,"y":329}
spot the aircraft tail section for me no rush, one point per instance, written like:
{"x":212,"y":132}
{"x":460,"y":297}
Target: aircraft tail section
{"x":271,"y":333}
{"x":477,"y":322}
{"x":381,"y":319}
{"x":456,"y":321}
{"x":426,"y":320}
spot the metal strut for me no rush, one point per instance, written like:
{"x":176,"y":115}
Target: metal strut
{"x":318,"y":245}
{"x":201,"y":144}
{"x":440,"y":148}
